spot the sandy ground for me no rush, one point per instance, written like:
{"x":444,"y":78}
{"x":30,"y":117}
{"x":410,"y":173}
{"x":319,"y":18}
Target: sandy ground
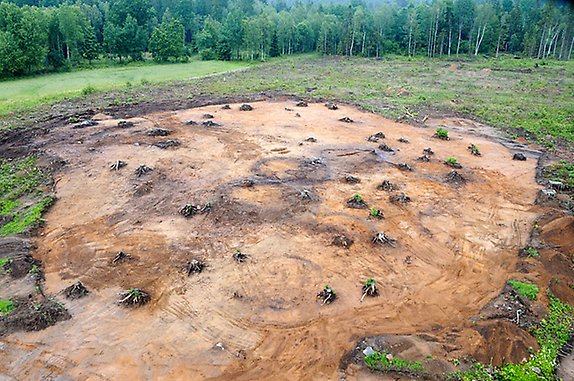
{"x":260,"y":320}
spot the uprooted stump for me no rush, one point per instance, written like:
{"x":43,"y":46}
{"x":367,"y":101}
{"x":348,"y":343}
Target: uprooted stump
{"x":400,"y":198}
{"x":246,"y":107}
{"x":356,"y":202}
{"x":519,"y":156}
{"x":121,"y":257}
{"x":210,"y":123}
{"x":428,"y":151}
{"x":369,"y":288}
{"x":239,"y":256}
{"x":331,"y":106}
{"x":226,"y":107}
{"x":194,"y":266}
{"x":143,"y":170}
{"x":190,"y":210}
{"x":134,"y":297}
{"x":382,"y":239}
{"x":346,"y":119}
{"x":327,"y":295}
{"x":165,"y":144}
{"x":85,"y":123}
{"x":386,"y":148}
{"x":342,"y":241}
{"x":76,"y":291}
{"x":404,"y":140}
{"x":305,"y":195}
{"x":301,"y":104}
{"x":424,"y":159}
{"x":376,"y":137}
{"x":387,"y":186}
{"x":158,"y":132}
{"x":311,"y":139}
{"x":452,"y":163}
{"x":297,"y":115}
{"x":455,"y":177}
{"x":207,"y":116}
{"x":191,"y":123}
{"x":352,"y":179}
{"x":473,"y":148}
{"x":117,"y":165}
{"x":125,"y":124}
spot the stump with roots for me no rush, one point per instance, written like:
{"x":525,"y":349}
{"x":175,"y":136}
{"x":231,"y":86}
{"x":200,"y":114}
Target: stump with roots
{"x":519,"y":156}
{"x":301,"y":104}
{"x":311,"y":139}
{"x":356,"y":202}
{"x":125,"y":124}
{"x":387,"y":186}
{"x":239,"y":256}
{"x":191,"y":123}
{"x":385,"y":148}
{"x":143,"y":170}
{"x":158,"y":132}
{"x":428,"y":151}
{"x":331,"y":106}
{"x":376,"y":137}
{"x":404,"y":140}
{"x":352,"y":179}
{"x":327,"y":295}
{"x":246,"y":107}
{"x":210,"y":123}
{"x":117,"y":165}
{"x":76,"y":291}
{"x":455,"y":177}
{"x":424,"y":159}
{"x":376,"y":213}
{"x":369,"y":288}
{"x":167,"y":144}
{"x":404,"y":167}
{"x":346,"y":119}
{"x":194,"y":266}
{"x":473,"y":148}
{"x":226,"y":107}
{"x":190,"y":210}
{"x":400,"y":198}
{"x":305,"y":195}
{"x":207,"y":116}
{"x":342,"y":241}
{"x":134,"y":297}
{"x":121,"y":257}
{"x":382,"y":239}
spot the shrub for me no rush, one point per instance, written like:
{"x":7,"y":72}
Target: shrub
{"x":441,"y":133}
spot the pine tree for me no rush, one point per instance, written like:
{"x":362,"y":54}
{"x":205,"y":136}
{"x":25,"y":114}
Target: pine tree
{"x":274,"y":47}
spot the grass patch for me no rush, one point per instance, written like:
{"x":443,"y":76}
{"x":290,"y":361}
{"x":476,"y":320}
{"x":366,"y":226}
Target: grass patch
{"x":385,"y":362}
{"x":6,"y":306}
{"x":531,"y":252}
{"x":4,"y":262}
{"x":527,"y":290}
{"x":562,"y":171}
{"x":21,"y":201}
{"x":32,"y":91}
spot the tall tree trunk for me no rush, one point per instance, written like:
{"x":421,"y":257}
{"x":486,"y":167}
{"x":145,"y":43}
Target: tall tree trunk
{"x":352,"y":43}
{"x":363,"y":43}
{"x":571,"y":45}
{"x":435,"y":34}
{"x":541,"y":42}
{"x":564,"y":33}
{"x":459,"y":36}
{"x":479,"y":37}
{"x":449,"y":39}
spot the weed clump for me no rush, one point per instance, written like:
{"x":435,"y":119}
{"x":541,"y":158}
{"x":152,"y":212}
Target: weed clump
{"x":387,"y":362}
{"x":441,"y":133}
{"x":530,"y":252}
{"x":6,"y":306}
{"x":134,"y":297}
{"x":327,"y":295}
{"x":356,"y":202}
{"x":526,"y":290}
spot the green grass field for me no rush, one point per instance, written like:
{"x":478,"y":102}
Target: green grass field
{"x":25,"y":92}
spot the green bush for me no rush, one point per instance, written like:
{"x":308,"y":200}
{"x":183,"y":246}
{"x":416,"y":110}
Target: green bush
{"x":441,"y":133}
{"x":6,"y":306}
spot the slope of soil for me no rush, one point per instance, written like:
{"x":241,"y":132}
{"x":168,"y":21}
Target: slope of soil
{"x":260,"y":319}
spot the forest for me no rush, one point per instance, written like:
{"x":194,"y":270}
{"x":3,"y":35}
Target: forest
{"x":52,"y":35}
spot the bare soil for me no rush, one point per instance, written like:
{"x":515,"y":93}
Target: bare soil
{"x":261,"y":319}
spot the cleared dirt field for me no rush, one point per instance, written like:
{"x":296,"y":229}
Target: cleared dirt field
{"x":280,"y":198}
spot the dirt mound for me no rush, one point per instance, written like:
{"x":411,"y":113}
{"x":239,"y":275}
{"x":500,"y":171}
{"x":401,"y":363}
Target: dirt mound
{"x":33,"y":316}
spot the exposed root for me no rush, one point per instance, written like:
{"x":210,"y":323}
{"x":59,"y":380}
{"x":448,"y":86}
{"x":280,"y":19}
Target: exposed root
{"x":346,"y":119}
{"x":331,"y":106}
{"x":400,"y":198}
{"x":428,"y":151}
{"x":239,"y":256}
{"x":387,"y":186}
{"x":121,"y":257}
{"x":190,"y":210}
{"x":369,"y":288}
{"x":134,"y":297}
{"x":288,"y":109}
{"x":376,"y":137}
{"x":382,"y":239}
{"x":143,"y":170}
{"x":210,"y":123}
{"x":424,"y":159}
{"x":305,"y":195}
{"x":194,"y":267}
{"x":246,"y":107}
{"x":342,"y":241}
{"x":116,"y":166}
{"x":167,"y":144}
{"x":76,"y":291}
{"x":327,"y":295}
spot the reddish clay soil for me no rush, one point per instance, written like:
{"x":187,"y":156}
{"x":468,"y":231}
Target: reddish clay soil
{"x":260,"y":320}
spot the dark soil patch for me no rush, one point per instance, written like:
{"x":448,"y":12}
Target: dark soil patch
{"x":165,"y":144}
{"x":342,"y":241}
{"x":511,"y":306}
{"x":246,"y":107}
{"x":158,"y":132}
{"x":31,"y":316}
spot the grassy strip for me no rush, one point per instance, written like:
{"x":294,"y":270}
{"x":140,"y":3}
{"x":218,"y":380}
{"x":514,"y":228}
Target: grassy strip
{"x":526,"y":290}
{"x":562,"y":171}
{"x":386,"y":362}
{"x":6,"y":306}
{"x":21,"y":201}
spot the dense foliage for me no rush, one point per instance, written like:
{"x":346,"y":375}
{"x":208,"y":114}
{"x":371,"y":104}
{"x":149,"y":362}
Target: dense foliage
{"x":40,"y":35}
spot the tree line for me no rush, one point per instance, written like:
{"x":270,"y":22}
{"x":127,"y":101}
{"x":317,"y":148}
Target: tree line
{"x":46,"y":35}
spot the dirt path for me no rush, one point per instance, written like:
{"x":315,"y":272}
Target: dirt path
{"x":260,"y":320}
